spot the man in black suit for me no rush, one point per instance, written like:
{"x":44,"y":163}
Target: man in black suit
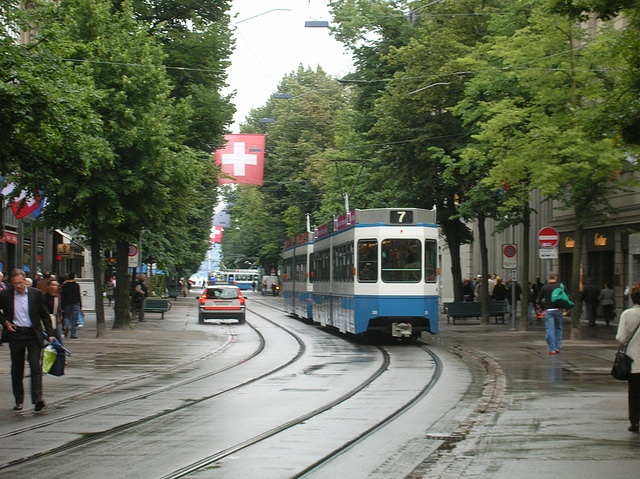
{"x":25,"y":319}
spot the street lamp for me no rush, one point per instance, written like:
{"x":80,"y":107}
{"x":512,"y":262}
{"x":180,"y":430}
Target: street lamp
{"x":287,"y":96}
{"x":316,"y":24}
{"x":263,"y":13}
{"x":429,"y":86}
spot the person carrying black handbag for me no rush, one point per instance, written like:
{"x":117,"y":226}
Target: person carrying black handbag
{"x":629,"y":322}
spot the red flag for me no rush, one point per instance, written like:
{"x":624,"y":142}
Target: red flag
{"x":216,"y":234}
{"x":242,"y":158}
{"x":25,"y":206}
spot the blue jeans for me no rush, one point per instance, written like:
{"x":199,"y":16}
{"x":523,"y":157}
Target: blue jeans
{"x":71,"y":318}
{"x":553,"y":325}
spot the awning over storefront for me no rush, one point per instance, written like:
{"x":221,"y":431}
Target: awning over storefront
{"x":71,"y":239}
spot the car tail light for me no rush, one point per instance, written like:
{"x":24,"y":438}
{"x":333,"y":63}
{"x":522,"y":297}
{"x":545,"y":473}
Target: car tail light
{"x":240,"y":298}
{"x":202,"y":298}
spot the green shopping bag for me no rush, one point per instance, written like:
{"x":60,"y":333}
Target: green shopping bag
{"x":49,"y":357}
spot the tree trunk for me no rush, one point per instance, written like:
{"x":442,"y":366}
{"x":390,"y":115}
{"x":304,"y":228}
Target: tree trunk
{"x":484,"y":268}
{"x":576,"y":332}
{"x":96,"y":262}
{"x":453,"y":243}
{"x":524,"y":270}
{"x":123,"y":287}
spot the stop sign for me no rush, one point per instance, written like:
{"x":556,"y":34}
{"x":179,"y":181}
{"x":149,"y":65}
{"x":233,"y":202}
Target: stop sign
{"x":548,"y":237}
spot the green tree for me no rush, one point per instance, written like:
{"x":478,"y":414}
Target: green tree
{"x":300,"y":144}
{"x":411,"y":80}
{"x":150,"y":170}
{"x":46,"y":120}
{"x":533,"y":101}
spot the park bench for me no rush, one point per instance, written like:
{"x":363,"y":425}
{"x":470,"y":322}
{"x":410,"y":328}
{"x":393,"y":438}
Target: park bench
{"x":173,"y":293}
{"x":157,"y":305}
{"x":472,"y":309}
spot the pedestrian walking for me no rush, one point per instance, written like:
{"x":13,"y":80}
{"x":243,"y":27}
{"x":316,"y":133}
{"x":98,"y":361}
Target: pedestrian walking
{"x":140,"y":293}
{"x":589,"y":297}
{"x":71,"y":299}
{"x":518,"y":289}
{"x":606,"y":300}
{"x":531,"y":307}
{"x":54,"y":304}
{"x":499,"y":290}
{"x":628,"y":334}
{"x":552,"y":314}
{"x":264,"y":288}
{"x":25,"y":325}
{"x":110,"y":288}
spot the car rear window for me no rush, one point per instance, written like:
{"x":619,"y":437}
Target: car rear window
{"x":224,"y":293}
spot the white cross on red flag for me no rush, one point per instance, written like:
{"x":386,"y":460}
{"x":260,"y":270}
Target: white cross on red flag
{"x":216,"y":234}
{"x":242,"y":159}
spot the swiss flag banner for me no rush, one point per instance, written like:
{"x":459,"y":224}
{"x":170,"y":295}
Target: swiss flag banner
{"x":216,"y":234}
{"x":242,"y":159}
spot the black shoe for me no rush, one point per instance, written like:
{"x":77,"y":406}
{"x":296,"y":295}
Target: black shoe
{"x":17,"y":407}
{"x":40,"y":405}
{"x":634,"y":428}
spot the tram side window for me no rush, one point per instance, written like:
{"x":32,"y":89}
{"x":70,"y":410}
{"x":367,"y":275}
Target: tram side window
{"x":287,"y":265}
{"x":401,"y":261}
{"x":321,"y":266}
{"x":367,"y":261}
{"x":343,"y":262}
{"x":430,"y":261}
{"x":301,"y":268}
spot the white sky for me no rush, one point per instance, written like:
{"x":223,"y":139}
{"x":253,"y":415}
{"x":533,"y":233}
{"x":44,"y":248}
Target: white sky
{"x":274,"y":44}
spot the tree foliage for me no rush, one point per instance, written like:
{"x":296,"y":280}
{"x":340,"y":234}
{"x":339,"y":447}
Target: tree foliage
{"x":133,"y":153}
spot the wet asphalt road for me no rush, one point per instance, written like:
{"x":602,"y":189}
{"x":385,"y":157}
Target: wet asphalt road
{"x":519,"y":412}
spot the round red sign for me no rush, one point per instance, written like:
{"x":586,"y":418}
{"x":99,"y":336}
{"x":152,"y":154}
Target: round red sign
{"x":548,"y":237}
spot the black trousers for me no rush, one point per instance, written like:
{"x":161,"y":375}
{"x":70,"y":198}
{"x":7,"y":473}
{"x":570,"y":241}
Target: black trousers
{"x":634,"y":399}
{"x":24,"y":343}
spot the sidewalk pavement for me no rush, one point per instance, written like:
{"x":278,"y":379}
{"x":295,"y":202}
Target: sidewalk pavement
{"x":539,"y":416}
{"x":145,"y":348}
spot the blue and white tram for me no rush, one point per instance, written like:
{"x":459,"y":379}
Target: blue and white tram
{"x":244,"y":279}
{"x":377,"y":270}
{"x":296,"y":287}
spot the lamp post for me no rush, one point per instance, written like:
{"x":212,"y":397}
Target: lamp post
{"x":263,"y":13}
{"x":288,"y":96}
{"x":316,"y":24}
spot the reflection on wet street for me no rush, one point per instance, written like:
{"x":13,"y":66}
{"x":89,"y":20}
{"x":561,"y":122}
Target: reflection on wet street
{"x":560,"y":416}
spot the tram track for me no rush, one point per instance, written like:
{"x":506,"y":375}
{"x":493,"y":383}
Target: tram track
{"x":76,"y":447}
{"x":206,"y":463}
{"x":129,"y":381}
{"x":90,"y":438}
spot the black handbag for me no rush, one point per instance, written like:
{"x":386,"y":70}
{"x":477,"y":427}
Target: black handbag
{"x":621,"y":369}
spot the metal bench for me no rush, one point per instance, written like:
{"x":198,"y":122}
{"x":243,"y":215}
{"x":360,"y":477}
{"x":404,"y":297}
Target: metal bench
{"x":157,"y":305}
{"x":472,"y":309}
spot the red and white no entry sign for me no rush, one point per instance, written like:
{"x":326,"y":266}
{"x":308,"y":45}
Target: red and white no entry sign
{"x":548,"y":237}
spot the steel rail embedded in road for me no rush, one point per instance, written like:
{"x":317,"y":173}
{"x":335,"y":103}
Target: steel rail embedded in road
{"x":90,"y":438}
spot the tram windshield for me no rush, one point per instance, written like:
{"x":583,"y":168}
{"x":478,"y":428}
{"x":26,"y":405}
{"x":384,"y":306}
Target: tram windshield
{"x":401,"y":261}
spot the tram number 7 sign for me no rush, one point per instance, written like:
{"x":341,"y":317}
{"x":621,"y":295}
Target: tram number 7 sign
{"x":509,"y":256}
